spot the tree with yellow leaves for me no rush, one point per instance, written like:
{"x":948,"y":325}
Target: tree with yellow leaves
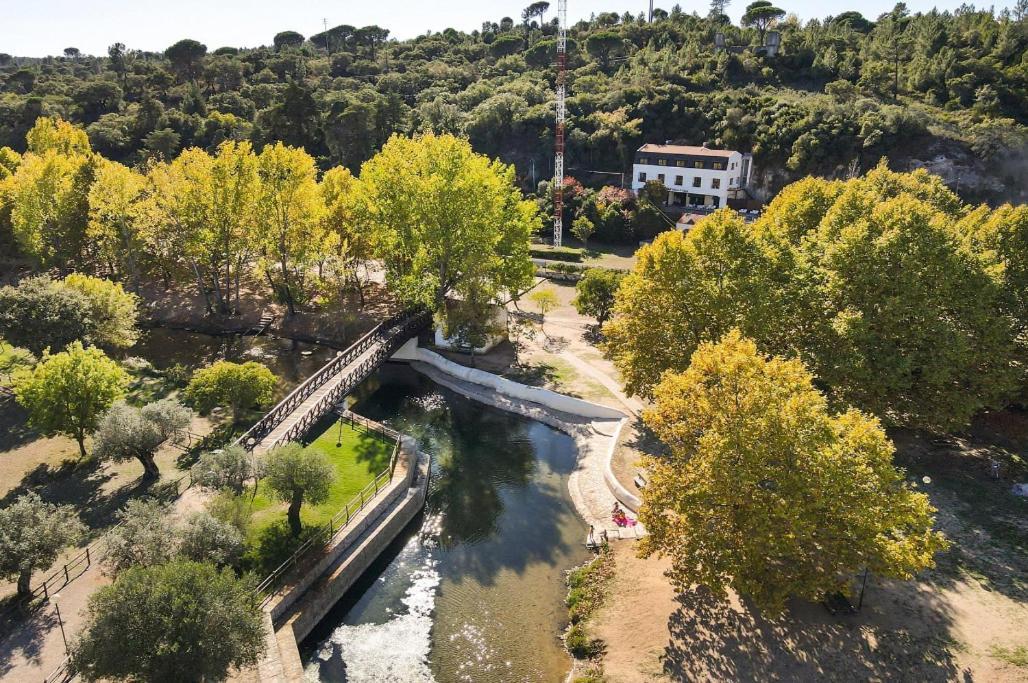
{"x":686,"y":289}
{"x":447,"y":221}
{"x":290,"y":229}
{"x":767,"y":492}
{"x":340,"y":192}
{"x":117,"y":211}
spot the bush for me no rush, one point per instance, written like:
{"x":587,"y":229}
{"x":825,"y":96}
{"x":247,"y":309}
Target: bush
{"x":238,"y":386}
{"x":205,"y":538}
{"x":557,"y":254}
{"x":578,"y":643}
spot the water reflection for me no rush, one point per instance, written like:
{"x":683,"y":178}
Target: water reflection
{"x":474,"y":592}
{"x":291,"y":361}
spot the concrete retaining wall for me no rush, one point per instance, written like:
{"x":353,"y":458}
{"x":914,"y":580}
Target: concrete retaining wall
{"x":350,"y":534}
{"x":550,"y":399}
{"x":329,"y":588}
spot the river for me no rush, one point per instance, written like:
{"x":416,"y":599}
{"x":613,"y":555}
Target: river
{"x":474,"y":588}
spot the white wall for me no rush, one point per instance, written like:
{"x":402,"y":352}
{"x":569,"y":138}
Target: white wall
{"x":544,"y":397}
{"x":671,"y":172}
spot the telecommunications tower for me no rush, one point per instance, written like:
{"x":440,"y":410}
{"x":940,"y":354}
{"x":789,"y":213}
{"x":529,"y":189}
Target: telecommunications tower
{"x":558,"y":157}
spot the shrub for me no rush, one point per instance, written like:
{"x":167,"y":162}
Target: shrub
{"x":557,"y":254}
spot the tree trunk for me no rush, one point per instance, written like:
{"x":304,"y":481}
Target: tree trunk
{"x":81,"y":439}
{"x":294,"y":513}
{"x":150,"y":470}
{"x":24,"y":583}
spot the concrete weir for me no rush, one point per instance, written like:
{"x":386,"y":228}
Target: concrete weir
{"x":295,"y":610}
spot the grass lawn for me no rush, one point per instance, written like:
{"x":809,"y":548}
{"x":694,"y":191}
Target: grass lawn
{"x":358,"y":458}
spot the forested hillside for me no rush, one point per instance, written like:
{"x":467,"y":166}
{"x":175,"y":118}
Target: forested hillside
{"x":949,"y":90}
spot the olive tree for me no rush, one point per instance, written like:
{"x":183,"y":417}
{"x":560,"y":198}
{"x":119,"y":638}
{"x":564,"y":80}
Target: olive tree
{"x":32,"y":535}
{"x":180,"y":621}
{"x":127,"y":432}
{"x":205,"y":538}
{"x":226,"y":468}
{"x":143,"y":537}
{"x":298,"y":475}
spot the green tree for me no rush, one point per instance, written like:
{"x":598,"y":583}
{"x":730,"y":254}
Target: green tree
{"x":238,"y":386}
{"x":595,"y":293}
{"x":690,"y":288}
{"x":181,"y":621}
{"x":545,"y":300}
{"x":186,"y":58}
{"x":582,"y":228}
{"x":143,"y":536}
{"x":298,"y":475}
{"x":761,"y":15}
{"x":767,"y":492}
{"x":288,"y":39}
{"x":40,"y":314}
{"x":603,"y":46}
{"x":894,"y":317}
{"x":127,"y":432}
{"x":68,"y":392}
{"x":447,"y":221}
{"x":32,"y":534}
{"x":112,"y":311}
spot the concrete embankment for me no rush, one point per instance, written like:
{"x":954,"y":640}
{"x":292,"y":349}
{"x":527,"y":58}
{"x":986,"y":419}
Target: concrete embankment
{"x":595,"y":428}
{"x":295,"y":610}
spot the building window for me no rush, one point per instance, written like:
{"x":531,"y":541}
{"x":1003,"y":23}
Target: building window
{"x":697,"y":164}
{"x":644,"y":160}
{"x":718,"y":166}
{"x":695,"y":182}
{"x":680,"y":163}
{"x":660,"y":177}
{"x":733,"y":165}
{"x":715,"y":183}
{"x":662,"y":162}
{"x":678,"y":180}
{"x":642,"y":177}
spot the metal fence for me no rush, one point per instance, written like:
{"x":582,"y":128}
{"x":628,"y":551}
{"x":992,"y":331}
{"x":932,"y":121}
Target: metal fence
{"x":268,"y":588}
{"x":389,"y":335}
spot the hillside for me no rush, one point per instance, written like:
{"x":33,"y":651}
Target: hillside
{"x":945,"y":90}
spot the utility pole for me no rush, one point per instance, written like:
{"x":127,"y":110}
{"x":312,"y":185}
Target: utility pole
{"x":558,"y":156}
{"x":651,"y":11}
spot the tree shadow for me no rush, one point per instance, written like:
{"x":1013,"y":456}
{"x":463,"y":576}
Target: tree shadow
{"x":22,"y":634}
{"x":14,"y":429}
{"x":533,"y":375}
{"x":374,"y":450}
{"x":273,"y":546}
{"x":976,"y":511}
{"x":80,"y":484}
{"x":715,"y":639}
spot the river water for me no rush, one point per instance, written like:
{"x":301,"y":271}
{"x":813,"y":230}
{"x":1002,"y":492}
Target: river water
{"x":473,"y":590}
{"x":290,"y":361}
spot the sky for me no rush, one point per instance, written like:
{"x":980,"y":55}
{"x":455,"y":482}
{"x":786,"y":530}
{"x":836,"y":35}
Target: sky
{"x":36,"y":28}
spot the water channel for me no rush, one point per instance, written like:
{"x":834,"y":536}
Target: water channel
{"x":473,"y":589}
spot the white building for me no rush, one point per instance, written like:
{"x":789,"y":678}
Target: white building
{"x":693,"y":176}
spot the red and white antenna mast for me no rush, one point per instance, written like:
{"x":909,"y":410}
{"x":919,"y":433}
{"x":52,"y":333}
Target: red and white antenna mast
{"x":558,"y":157}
